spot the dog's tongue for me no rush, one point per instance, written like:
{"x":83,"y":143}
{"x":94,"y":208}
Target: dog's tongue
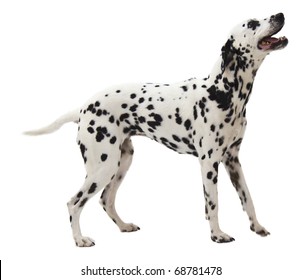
{"x":267,"y":42}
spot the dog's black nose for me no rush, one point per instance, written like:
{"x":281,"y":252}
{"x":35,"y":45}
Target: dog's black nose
{"x":278,"y":18}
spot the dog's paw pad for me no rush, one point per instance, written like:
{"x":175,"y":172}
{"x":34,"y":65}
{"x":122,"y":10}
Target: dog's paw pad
{"x":129,"y":228}
{"x":83,"y":241}
{"x":221,"y":238}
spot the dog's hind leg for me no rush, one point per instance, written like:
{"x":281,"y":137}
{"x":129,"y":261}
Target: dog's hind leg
{"x":101,"y":170}
{"x":75,"y":207}
{"x":107,"y":199}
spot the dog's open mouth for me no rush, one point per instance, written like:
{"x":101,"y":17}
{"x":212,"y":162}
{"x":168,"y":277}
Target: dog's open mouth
{"x":271,"y":43}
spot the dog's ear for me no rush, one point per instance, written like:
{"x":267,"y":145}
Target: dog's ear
{"x":227,"y":53}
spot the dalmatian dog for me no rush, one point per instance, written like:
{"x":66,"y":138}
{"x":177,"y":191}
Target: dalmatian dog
{"x":202,"y":117}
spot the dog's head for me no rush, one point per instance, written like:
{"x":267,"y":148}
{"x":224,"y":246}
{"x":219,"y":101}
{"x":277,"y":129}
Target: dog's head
{"x":254,"y":39}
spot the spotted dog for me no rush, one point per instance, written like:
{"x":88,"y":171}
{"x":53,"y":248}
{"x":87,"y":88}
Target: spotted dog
{"x":202,"y":117}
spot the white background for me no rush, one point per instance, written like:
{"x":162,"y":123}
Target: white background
{"x":56,"y":54}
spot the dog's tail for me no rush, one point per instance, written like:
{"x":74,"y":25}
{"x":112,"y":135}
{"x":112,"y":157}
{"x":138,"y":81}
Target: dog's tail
{"x":69,"y":117}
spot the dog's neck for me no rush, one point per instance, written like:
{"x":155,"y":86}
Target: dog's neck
{"x":231,"y":86}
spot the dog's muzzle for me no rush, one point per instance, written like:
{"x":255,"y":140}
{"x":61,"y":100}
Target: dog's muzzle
{"x":270,"y":43}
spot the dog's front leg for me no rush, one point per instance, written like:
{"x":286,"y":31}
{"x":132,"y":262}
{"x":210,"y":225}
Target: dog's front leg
{"x":234,"y":169}
{"x":209,"y":170}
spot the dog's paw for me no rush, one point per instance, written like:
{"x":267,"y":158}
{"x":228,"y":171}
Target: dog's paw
{"x":129,"y":228}
{"x":221,"y":237}
{"x":83,"y":241}
{"x":260,"y":230}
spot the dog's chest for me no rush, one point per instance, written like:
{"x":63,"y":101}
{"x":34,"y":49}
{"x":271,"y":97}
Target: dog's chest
{"x":235,"y":132}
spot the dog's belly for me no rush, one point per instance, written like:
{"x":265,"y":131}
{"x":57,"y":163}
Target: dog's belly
{"x":169,"y":133}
